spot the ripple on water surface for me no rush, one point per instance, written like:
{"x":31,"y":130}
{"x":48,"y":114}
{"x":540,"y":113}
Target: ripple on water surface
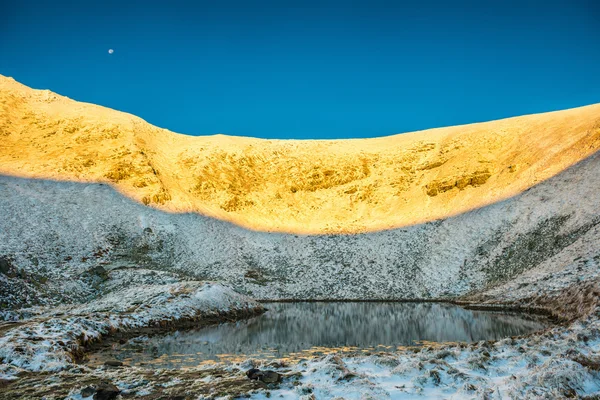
{"x":295,"y":330}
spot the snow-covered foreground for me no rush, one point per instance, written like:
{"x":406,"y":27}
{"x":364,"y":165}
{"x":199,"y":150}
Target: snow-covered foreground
{"x":53,"y":339}
{"x":553,"y":365}
{"x":562,"y":362}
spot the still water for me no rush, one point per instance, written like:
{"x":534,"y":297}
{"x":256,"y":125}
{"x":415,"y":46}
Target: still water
{"x":302,"y":329}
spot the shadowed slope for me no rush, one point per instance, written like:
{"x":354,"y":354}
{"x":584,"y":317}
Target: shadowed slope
{"x":336,"y":186}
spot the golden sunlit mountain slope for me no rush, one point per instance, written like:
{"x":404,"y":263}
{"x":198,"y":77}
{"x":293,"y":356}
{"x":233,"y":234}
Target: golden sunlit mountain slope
{"x":309,"y":186}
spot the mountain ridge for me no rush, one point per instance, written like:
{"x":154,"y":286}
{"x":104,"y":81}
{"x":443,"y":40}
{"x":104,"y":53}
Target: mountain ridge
{"x":295,"y":186}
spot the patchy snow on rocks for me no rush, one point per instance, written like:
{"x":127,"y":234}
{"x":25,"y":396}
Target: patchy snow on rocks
{"x":541,"y":366}
{"x":560,"y":362}
{"x":52,"y":341}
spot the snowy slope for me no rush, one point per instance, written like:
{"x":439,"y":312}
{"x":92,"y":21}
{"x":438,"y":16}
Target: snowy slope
{"x":53,"y":236}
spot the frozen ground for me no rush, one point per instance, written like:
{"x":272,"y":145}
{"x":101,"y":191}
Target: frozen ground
{"x":49,"y":340}
{"x":562,"y":362}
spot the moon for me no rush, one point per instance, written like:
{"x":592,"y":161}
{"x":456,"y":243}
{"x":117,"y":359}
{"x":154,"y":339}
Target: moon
{"x":110,"y":51}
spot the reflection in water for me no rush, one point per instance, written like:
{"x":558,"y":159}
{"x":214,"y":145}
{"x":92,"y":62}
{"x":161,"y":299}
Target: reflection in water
{"x":300,"y":329}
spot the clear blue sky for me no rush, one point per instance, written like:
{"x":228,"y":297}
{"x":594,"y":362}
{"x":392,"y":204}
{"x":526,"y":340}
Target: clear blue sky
{"x":310,"y":69}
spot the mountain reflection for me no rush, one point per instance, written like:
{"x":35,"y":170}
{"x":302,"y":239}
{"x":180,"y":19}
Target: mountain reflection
{"x":289,"y":328}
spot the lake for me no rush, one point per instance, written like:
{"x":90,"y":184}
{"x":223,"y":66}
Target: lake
{"x":298,"y":330}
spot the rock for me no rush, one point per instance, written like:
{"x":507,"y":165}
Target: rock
{"x":6,"y":267}
{"x":263,"y":376}
{"x":106,"y":391}
{"x":469,"y":387}
{"x":100,"y":272}
{"x":270,"y":377}
{"x":113,"y":363}
{"x":253,"y":373}
{"x":87,"y":391}
{"x":435,"y":376}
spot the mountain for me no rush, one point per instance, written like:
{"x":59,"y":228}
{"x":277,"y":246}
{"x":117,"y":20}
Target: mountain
{"x":293,"y":186}
{"x":109,"y":225}
{"x":172,"y":199}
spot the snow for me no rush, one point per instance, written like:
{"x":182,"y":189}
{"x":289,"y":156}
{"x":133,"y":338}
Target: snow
{"x":542,"y":365}
{"x":510,"y":368}
{"x":48,"y":342}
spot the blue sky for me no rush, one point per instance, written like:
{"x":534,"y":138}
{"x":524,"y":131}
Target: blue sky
{"x":310,"y":69}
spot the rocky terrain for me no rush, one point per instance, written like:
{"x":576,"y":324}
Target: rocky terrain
{"x":126,"y":239}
